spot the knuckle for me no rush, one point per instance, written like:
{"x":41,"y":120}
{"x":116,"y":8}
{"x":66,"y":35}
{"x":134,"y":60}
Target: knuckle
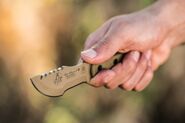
{"x":106,"y":40}
{"x":104,"y":44}
{"x":111,"y":86}
{"x":130,"y":66}
{"x":127,"y":87}
{"x":143,"y":63}
{"x":115,"y":18}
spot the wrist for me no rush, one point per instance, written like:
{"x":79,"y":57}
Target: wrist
{"x":170,"y":14}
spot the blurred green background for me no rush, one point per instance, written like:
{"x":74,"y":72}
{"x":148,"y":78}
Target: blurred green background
{"x":39,"y":35}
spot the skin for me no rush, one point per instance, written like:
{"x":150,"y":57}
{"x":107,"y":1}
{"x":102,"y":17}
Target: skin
{"x":147,"y":36}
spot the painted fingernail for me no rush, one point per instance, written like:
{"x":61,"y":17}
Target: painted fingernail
{"x":109,"y":77}
{"x":90,"y":53}
{"x":135,"y":55}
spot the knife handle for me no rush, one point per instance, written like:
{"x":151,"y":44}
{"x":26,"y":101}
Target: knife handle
{"x":117,"y":58}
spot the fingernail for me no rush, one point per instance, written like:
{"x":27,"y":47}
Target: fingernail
{"x":89,"y":53}
{"x":109,"y":77}
{"x":148,"y":54}
{"x":135,"y":55}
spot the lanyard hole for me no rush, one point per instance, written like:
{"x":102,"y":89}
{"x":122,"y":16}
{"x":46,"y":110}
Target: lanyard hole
{"x":115,"y":61}
{"x":100,"y":67}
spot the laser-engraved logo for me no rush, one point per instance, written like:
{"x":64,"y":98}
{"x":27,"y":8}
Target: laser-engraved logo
{"x":58,"y":79}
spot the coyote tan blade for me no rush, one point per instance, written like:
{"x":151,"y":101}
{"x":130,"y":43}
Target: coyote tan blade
{"x":56,"y":82}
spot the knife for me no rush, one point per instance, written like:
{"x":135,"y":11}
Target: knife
{"x":56,"y":82}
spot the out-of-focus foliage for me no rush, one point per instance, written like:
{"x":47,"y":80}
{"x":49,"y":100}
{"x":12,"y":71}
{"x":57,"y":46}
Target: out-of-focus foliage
{"x":38,"y":35}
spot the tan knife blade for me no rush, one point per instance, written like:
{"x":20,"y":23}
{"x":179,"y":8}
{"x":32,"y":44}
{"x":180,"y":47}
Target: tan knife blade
{"x":56,"y":82}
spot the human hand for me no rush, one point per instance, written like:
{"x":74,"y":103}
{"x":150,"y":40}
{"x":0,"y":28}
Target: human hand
{"x":135,"y":71}
{"x":139,"y":31}
{"x":123,"y":34}
{"x":148,"y":41}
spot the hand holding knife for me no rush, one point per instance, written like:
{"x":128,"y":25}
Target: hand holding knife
{"x":56,"y":82}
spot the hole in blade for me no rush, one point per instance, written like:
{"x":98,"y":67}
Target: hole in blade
{"x":100,"y":68}
{"x":41,"y":76}
{"x":115,"y":61}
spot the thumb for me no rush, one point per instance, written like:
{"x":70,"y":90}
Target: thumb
{"x":101,"y":51}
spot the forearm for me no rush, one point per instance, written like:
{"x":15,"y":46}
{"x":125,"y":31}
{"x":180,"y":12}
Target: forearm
{"x":171,"y":13}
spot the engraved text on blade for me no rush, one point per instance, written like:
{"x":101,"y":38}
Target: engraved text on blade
{"x":60,"y":76}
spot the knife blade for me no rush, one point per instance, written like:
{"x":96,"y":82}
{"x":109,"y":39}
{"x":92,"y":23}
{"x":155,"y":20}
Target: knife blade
{"x":56,"y":82}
